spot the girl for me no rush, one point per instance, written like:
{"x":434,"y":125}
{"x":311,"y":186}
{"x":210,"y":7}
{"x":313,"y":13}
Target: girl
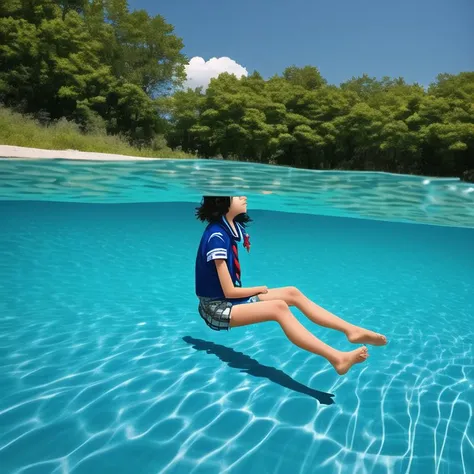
{"x":225,"y":304}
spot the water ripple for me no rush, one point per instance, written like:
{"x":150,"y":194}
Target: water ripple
{"x":107,"y":367}
{"x":380,"y":196}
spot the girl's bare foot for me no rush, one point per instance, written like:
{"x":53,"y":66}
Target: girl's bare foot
{"x":363,"y":336}
{"x":347,"y":359}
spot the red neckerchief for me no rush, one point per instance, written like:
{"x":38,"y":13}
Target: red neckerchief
{"x":247,"y":242}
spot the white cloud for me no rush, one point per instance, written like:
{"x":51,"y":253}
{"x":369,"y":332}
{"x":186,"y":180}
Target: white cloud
{"x":199,"y":72}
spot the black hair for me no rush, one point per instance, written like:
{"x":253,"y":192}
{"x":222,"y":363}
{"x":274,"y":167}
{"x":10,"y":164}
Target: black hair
{"x":212,"y":208}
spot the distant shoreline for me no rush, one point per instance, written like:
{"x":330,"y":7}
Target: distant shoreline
{"x":25,"y":153}
{"x":8,"y":151}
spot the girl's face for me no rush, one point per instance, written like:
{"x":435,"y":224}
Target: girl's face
{"x":238,"y":205}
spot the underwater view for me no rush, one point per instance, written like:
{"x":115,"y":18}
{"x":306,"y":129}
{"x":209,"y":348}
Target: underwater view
{"x":107,"y":366}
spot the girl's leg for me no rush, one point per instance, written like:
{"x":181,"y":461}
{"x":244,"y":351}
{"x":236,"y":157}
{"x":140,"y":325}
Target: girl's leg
{"x":277,"y":310}
{"x":293,"y":297}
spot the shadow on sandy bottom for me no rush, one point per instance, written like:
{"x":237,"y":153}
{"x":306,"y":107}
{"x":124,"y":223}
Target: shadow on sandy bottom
{"x":238,"y":360}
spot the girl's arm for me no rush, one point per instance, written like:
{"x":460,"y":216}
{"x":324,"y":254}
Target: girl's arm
{"x":230,"y":291}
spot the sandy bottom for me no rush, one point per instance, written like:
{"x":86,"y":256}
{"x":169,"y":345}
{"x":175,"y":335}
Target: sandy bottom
{"x":107,"y":367}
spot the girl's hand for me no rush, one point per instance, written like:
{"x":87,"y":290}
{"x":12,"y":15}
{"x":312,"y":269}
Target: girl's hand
{"x":262,"y":289}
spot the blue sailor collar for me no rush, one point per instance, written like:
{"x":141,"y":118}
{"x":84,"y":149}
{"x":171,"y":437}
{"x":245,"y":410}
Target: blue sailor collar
{"x":240,"y":230}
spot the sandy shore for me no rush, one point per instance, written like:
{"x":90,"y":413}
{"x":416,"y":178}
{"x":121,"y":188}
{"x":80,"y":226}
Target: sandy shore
{"x":7,"y":151}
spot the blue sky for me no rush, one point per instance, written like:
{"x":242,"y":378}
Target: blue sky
{"x":416,"y":39}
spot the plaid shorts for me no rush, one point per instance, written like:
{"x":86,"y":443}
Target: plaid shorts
{"x":217,"y":313}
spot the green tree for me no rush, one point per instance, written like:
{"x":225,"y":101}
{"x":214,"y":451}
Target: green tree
{"x":298,"y":119}
{"x":92,"y":61}
{"x":184,"y":109}
{"x":307,"y":77}
{"x":147,"y":53}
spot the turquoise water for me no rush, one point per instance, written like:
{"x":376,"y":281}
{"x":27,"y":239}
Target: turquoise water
{"x":380,"y":196}
{"x":105,"y":365}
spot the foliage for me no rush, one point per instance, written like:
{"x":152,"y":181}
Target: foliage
{"x":297,"y":119}
{"x":20,"y":130}
{"x":112,"y":71}
{"x":87,"y":60}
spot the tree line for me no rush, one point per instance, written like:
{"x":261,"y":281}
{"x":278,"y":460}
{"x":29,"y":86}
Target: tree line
{"x":298,"y":119}
{"x":106,"y":68}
